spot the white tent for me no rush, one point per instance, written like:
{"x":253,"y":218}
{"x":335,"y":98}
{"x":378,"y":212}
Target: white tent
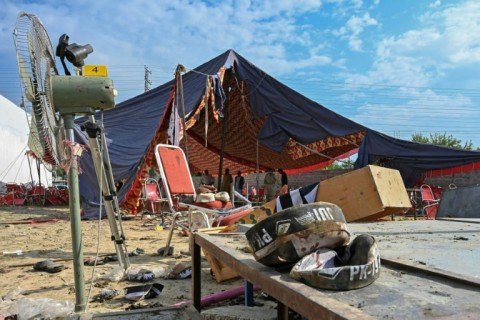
{"x":15,"y":164}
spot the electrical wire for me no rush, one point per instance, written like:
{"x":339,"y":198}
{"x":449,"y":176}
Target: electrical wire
{"x":99,"y":227}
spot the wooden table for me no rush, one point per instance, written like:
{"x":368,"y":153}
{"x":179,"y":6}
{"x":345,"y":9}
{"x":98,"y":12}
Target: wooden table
{"x":429,"y":270}
{"x":289,"y":293}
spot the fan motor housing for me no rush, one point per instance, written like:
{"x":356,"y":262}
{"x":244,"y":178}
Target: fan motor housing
{"x":80,"y":95}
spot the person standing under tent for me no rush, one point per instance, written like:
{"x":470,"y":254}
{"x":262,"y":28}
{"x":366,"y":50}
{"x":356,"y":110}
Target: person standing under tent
{"x":269,"y":181}
{"x":283,"y":181}
{"x":227,"y":181}
{"x":207,"y":179}
{"x":239,"y":182}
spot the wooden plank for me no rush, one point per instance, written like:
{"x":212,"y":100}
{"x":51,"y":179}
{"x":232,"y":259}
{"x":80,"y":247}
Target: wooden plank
{"x":212,"y":229}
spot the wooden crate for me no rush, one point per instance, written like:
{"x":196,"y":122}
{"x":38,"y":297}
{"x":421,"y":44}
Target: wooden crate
{"x":366,"y":194}
{"x":220,"y":271}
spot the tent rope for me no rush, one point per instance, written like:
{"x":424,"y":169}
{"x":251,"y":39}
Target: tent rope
{"x":9,"y":167}
{"x":349,"y":141}
{"x":318,"y":153}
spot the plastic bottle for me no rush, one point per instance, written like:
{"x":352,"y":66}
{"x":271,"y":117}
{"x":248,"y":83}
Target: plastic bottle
{"x":43,"y":308}
{"x":13,"y":253}
{"x":116,"y":274}
{"x":13,"y":294}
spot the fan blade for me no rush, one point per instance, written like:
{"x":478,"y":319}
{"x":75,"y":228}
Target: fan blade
{"x":34,"y":141}
{"x":27,"y":81}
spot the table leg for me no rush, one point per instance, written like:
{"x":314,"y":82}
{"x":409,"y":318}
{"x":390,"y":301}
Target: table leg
{"x":196,"y":274}
{"x":282,"y":311}
{"x":249,"y":294}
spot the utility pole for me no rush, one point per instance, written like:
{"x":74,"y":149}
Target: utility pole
{"x":147,"y":81}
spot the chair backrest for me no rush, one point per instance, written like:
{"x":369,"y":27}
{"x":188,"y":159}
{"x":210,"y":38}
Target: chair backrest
{"x":174,"y":171}
{"x":427,"y":193}
{"x":261,"y":191}
{"x":152,"y":191}
{"x":429,"y":203}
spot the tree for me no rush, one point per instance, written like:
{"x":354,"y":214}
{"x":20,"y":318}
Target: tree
{"x":341,"y":164}
{"x":442,"y":139}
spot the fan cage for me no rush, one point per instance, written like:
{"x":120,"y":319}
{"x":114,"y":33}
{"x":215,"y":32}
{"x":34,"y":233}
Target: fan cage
{"x":36,"y":62}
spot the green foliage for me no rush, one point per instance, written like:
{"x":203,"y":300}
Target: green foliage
{"x":442,"y":139}
{"x":59,"y":174}
{"x":341,"y":164}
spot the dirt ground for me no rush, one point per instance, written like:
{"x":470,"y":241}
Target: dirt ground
{"x":20,"y":229}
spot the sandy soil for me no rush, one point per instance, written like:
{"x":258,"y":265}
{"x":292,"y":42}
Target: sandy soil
{"x":52,"y":240}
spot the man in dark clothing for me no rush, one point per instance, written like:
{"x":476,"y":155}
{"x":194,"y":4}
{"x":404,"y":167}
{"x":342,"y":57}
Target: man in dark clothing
{"x":239,"y":182}
{"x":283,"y":177}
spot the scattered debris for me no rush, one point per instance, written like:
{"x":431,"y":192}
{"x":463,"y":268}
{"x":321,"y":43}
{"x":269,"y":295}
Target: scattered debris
{"x":146,"y":291}
{"x":48,"y":266}
{"x":105,"y":294}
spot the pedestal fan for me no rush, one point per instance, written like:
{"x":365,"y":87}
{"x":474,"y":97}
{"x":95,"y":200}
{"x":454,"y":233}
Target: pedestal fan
{"x":55,"y":101}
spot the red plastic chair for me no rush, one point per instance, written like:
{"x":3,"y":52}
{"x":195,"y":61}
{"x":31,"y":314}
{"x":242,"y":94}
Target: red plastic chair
{"x":37,"y":195}
{"x":258,"y":197}
{"x":152,"y":197}
{"x":16,"y":194}
{"x":429,"y":202}
{"x":261,"y":194}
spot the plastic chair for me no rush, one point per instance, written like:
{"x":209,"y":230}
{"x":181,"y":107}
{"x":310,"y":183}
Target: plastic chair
{"x":258,"y":197}
{"x":180,"y":192}
{"x":429,"y":203}
{"x":36,"y":195}
{"x":152,"y":197}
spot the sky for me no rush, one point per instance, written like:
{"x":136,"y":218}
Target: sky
{"x":399,"y":67}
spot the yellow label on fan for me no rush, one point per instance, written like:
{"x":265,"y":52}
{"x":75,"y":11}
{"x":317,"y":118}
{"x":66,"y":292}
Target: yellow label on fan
{"x":91,"y":70}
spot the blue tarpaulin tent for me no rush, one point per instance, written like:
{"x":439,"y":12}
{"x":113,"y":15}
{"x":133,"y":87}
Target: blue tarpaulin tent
{"x":412,"y":159}
{"x":266,"y":123}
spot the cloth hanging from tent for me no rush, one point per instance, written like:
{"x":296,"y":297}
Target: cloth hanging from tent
{"x":173,"y":131}
{"x":219,"y":94}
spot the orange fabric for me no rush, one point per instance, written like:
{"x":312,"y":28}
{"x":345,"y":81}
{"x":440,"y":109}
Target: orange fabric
{"x":451,"y":171}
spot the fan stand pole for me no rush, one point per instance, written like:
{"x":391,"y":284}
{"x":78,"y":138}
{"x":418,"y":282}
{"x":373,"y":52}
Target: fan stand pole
{"x":75,"y":221}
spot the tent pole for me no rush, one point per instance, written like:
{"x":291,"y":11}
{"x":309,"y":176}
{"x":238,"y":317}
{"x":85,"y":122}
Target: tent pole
{"x":258,"y":169}
{"x":180,"y":69}
{"x":30,"y":169}
{"x":226,"y":80}
{"x":38,"y":172}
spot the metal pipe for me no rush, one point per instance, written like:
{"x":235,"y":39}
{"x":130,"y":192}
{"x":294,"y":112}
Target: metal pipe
{"x":75,"y":221}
